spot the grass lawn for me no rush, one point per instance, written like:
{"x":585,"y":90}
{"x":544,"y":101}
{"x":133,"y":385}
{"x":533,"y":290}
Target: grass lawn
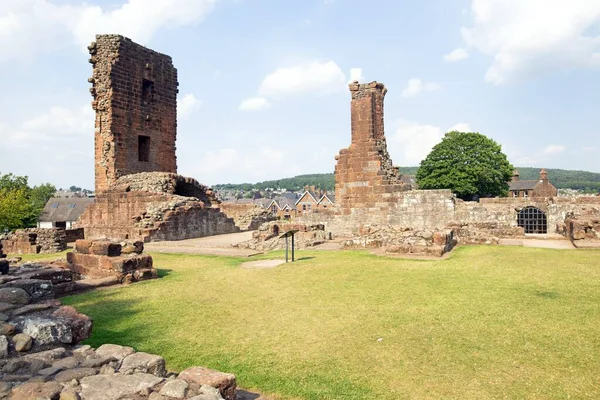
{"x":487,"y":322}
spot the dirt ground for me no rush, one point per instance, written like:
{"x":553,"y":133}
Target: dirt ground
{"x":220,"y":245}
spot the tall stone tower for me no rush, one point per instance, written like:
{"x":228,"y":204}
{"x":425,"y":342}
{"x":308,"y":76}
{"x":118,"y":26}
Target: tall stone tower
{"x":364,"y":172}
{"x":135,"y":100}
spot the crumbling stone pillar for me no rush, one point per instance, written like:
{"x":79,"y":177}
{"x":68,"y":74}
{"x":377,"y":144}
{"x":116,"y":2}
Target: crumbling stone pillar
{"x":135,"y":99}
{"x":364,"y":171}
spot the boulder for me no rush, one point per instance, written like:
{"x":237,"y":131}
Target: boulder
{"x":114,"y":387}
{"x":145,"y":363}
{"x":22,"y":342}
{"x":81,"y":325}
{"x":3,"y":347}
{"x":177,"y":388}
{"x":48,"y":356}
{"x":6,"y":329}
{"x":207,"y":393}
{"x":69,"y":395}
{"x":76,"y":373}
{"x":14,"y":295}
{"x":45,"y":331}
{"x":38,"y":289}
{"x":224,"y":382}
{"x":36,"y":390}
{"x":114,"y":351}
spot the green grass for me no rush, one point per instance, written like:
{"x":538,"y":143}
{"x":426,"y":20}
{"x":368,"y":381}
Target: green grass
{"x":41,"y":257}
{"x":487,"y":322}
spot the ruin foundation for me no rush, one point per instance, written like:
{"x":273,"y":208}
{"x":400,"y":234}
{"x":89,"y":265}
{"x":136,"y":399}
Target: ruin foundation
{"x":34,"y":241}
{"x":153,"y":207}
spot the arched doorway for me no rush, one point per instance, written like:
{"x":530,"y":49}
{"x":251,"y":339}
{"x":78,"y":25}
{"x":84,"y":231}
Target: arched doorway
{"x":275,"y":230}
{"x":533,"y":220}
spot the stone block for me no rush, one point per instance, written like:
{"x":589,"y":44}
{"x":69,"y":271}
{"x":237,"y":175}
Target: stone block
{"x":82,"y":246}
{"x":225,"y":383}
{"x":105,"y":248}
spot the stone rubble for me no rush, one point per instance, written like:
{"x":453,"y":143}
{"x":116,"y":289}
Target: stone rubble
{"x":34,"y":241}
{"x":110,"y":372}
{"x":267,"y":236}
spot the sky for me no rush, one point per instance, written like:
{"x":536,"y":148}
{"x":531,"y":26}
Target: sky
{"x":263,"y":84}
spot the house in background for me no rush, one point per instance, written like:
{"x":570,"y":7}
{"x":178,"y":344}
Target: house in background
{"x":63,"y":212}
{"x":326,"y":201}
{"x":282,"y":208}
{"x":534,"y":189}
{"x":307,"y":202}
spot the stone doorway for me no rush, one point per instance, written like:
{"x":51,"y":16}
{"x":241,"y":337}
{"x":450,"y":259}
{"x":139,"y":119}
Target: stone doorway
{"x":533,"y":220}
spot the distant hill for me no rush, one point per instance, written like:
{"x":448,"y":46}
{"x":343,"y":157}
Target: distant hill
{"x":561,"y":178}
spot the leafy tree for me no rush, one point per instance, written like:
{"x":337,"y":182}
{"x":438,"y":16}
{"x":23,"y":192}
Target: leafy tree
{"x":468,"y":163}
{"x":21,"y":205}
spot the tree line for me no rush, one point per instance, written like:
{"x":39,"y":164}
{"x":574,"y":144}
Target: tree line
{"x":561,"y":178}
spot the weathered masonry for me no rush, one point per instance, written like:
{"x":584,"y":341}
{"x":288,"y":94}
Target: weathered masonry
{"x":139,"y":195}
{"x":374,"y":206}
{"x":135,"y":99}
{"x":364,"y":171}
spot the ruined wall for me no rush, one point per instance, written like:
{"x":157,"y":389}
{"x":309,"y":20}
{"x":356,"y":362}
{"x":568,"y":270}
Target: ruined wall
{"x":145,"y":207}
{"x":247,"y":217}
{"x":135,"y":99}
{"x":364,"y":171}
{"x":34,"y":241}
{"x":437,"y":209}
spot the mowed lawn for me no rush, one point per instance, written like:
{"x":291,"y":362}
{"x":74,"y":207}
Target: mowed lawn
{"x":487,"y":322}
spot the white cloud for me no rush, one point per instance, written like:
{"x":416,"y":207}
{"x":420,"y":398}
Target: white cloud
{"x":554,"y":149}
{"x":526,"y":37}
{"x":460,"y":127}
{"x":254,"y":104}
{"x":416,"y":86}
{"x":186,"y":105}
{"x":356,"y":74}
{"x":28,"y":27}
{"x":413,"y":141}
{"x":457,"y":55}
{"x":315,"y":77}
{"x":59,"y":146}
{"x":537,"y":158}
{"x":258,"y":164}
{"x":585,"y":149}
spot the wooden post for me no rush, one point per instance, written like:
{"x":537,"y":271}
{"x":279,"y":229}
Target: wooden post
{"x":292,"y":247}
{"x":286,"y":249}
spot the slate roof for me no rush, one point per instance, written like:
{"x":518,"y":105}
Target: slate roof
{"x":312,"y":194}
{"x":284,"y":201}
{"x":59,"y":210}
{"x":522,"y":185}
{"x":409,"y":179}
{"x":330,"y":196}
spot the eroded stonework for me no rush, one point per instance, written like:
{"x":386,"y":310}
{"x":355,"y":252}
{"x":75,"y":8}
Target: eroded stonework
{"x":135,"y":99}
{"x":364,"y":171}
{"x":153,"y":207}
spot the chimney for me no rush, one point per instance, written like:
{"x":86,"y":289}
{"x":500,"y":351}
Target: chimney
{"x":543,"y":175}
{"x":515,"y":177}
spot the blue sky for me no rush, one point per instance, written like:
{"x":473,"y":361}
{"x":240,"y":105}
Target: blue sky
{"x":263,"y":83}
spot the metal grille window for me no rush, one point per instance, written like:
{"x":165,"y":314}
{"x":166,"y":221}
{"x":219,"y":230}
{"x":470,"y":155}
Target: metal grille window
{"x":533,"y":220}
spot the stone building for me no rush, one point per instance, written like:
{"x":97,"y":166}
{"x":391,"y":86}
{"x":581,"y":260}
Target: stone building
{"x":531,"y":188}
{"x":135,"y":99}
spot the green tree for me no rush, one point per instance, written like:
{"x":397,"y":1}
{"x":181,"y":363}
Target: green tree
{"x":21,"y":205}
{"x":469,"y":164}
{"x":15,"y":209}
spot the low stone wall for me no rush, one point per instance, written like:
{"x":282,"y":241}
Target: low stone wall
{"x":34,"y":241}
{"x":247,"y":217}
{"x":403,"y":240}
{"x":103,"y":258}
{"x":267,"y":236}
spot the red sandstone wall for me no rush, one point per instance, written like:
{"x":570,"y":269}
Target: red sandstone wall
{"x":135,"y":93}
{"x":141,"y":216}
{"x":364,"y":171}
